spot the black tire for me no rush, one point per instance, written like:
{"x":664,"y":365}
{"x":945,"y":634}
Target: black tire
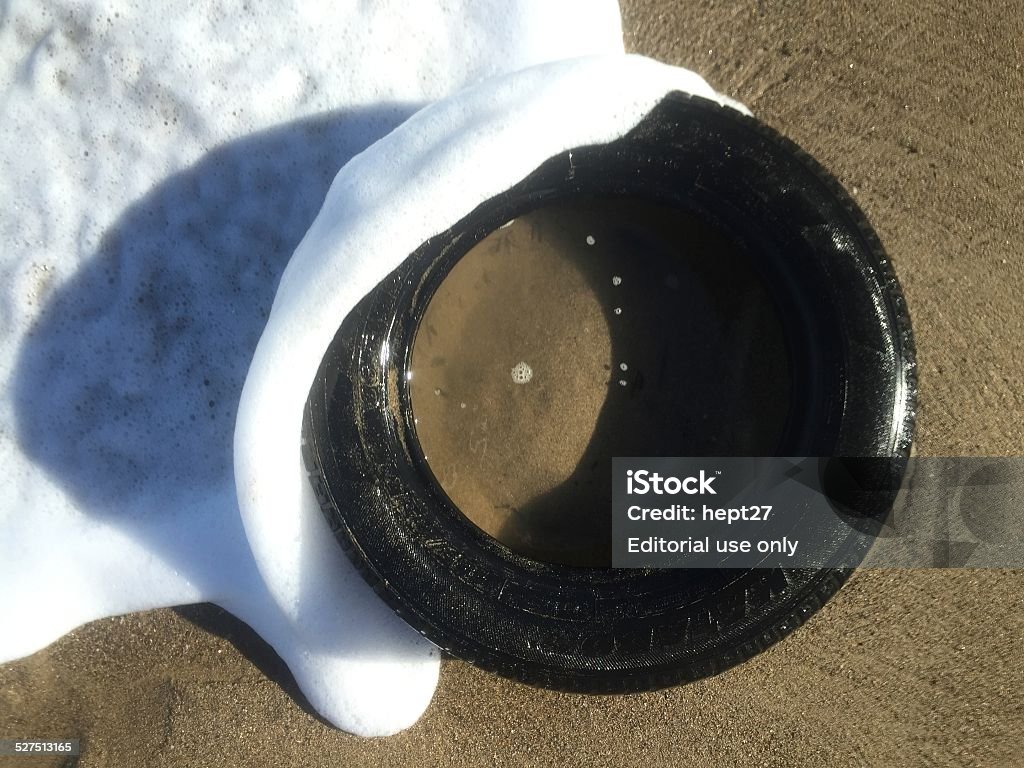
{"x":606,"y":630}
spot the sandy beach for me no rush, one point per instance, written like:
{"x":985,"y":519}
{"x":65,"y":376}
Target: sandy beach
{"x":917,"y":110}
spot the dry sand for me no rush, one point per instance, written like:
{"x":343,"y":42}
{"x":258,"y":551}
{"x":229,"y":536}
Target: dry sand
{"x":917,"y":108}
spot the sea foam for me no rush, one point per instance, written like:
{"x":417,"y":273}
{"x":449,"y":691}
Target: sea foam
{"x":160,"y":163}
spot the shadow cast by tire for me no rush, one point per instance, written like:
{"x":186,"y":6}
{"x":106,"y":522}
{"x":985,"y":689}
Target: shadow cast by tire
{"x":126,"y":388}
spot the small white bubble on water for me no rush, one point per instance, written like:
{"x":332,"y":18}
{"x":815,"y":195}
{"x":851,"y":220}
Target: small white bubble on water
{"x":623,"y":367}
{"x":616,"y":280}
{"x":622,"y":382}
{"x":590,"y":240}
{"x":618,"y":310}
{"x":522,"y":373}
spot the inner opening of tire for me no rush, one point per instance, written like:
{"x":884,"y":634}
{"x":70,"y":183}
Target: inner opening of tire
{"x":582,"y":330}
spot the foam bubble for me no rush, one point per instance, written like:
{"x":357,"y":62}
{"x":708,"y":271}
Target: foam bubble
{"x":522,"y":373}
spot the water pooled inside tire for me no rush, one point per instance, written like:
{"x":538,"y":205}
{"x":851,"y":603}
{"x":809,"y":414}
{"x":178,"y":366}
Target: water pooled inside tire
{"x":580,"y":331}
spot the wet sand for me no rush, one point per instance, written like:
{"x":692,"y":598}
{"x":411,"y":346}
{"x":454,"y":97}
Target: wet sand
{"x":917,"y":109}
{"x":574,"y":334}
